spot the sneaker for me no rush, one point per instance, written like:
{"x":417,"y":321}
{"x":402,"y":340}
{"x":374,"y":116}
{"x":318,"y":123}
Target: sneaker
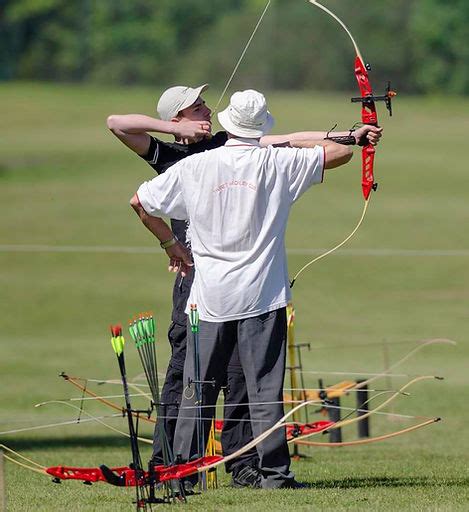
{"x":247,"y":477}
{"x":188,"y":487}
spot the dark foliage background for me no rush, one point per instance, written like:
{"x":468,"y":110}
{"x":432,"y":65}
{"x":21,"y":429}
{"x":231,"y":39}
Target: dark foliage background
{"x":421,"y":44}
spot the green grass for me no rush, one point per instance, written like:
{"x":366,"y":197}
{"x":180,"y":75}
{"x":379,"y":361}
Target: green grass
{"x":66,"y":181}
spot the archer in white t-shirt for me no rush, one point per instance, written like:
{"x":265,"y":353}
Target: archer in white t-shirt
{"x":237,"y":199}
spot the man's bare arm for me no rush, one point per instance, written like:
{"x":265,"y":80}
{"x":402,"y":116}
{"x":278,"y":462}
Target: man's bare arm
{"x":305,"y":139}
{"x":270,"y":140}
{"x":179,"y":256}
{"x":132,"y":129}
{"x":335,"y":154}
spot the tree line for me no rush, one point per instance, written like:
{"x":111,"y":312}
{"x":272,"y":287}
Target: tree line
{"x":421,"y":45}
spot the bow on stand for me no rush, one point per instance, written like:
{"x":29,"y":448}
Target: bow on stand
{"x":368,"y":116}
{"x":134,"y":475}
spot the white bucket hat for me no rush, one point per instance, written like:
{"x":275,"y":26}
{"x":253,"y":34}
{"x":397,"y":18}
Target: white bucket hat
{"x":247,"y":115}
{"x":177,"y":98}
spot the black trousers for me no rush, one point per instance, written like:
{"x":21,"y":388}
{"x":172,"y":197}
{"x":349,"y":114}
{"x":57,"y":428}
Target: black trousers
{"x":236,"y":431}
{"x":262,"y":343}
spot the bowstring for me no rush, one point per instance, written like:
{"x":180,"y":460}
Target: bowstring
{"x":243,"y":53}
{"x":365,"y":207}
{"x":338,"y":246}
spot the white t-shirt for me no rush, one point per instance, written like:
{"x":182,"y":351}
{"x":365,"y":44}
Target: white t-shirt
{"x":237,"y":199}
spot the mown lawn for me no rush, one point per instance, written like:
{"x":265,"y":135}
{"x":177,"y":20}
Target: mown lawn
{"x":75,"y":259}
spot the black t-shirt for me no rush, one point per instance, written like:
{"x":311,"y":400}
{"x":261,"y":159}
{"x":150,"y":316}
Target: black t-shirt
{"x":160,"y":156}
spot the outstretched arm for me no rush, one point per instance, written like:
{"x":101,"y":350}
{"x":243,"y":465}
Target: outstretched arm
{"x":309,"y":139}
{"x":179,"y":256}
{"x":335,"y":154}
{"x":132,"y":129}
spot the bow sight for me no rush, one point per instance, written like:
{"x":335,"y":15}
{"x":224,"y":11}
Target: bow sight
{"x":370,"y":98}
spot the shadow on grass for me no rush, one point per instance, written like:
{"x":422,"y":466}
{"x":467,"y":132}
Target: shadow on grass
{"x":104,"y":441}
{"x":367,"y":482}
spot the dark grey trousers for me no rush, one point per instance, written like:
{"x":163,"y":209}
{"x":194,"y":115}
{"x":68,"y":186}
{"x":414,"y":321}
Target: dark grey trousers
{"x":261,"y":343}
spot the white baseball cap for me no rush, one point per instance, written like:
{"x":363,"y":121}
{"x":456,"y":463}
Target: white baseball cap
{"x":177,"y":98}
{"x":247,"y":115}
